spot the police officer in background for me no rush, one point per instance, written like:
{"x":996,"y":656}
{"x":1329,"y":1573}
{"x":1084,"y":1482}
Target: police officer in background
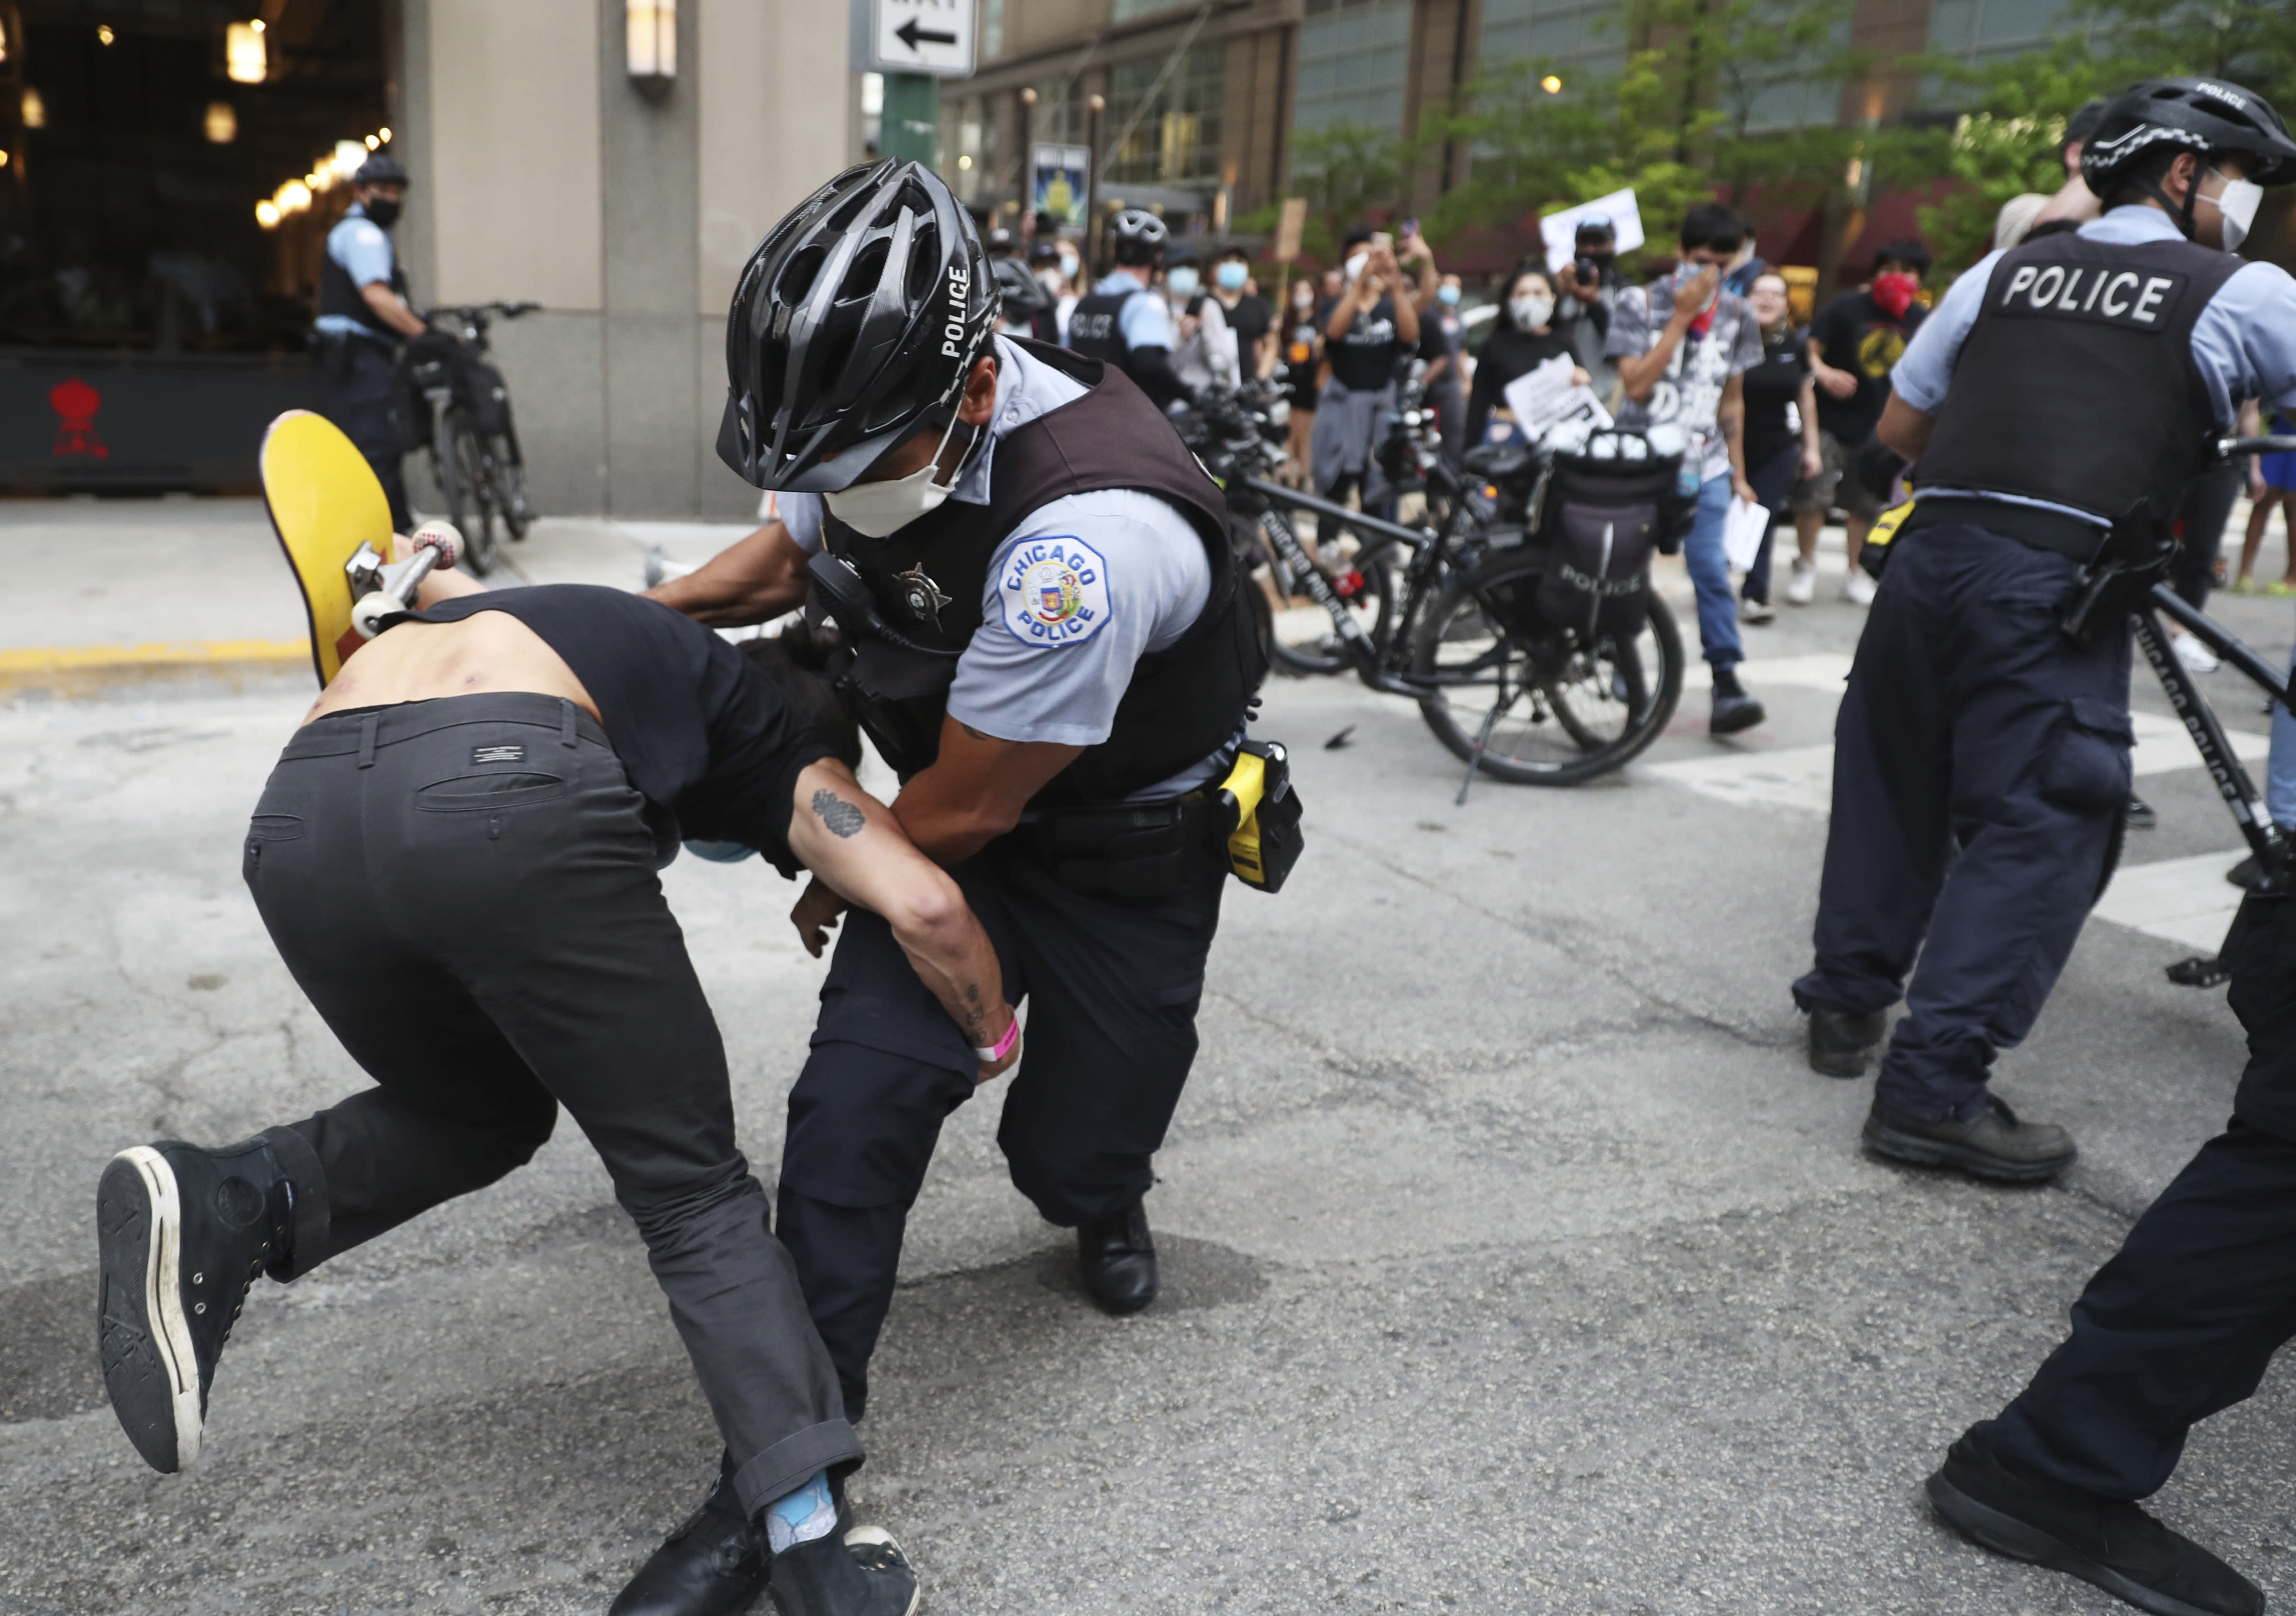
{"x":1121,"y":321}
{"x":363,"y":316}
{"x":2057,"y":403}
{"x":1053,"y":652}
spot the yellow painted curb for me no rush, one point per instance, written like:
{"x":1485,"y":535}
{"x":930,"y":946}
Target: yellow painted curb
{"x":71,"y":670}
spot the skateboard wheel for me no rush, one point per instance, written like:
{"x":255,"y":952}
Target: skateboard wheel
{"x":367,"y":615}
{"x":442,"y":536}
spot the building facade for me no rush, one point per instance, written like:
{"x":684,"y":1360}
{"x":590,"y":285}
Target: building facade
{"x":544,"y":167}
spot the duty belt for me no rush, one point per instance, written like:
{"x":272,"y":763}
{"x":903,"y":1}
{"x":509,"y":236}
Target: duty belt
{"x":2054,"y":530}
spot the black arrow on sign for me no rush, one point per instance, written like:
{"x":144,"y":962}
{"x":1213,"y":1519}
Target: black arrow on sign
{"x":912,"y":36}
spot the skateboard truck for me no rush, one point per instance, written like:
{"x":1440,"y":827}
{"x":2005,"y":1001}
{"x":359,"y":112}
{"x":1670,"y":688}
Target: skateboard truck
{"x":379,"y":590}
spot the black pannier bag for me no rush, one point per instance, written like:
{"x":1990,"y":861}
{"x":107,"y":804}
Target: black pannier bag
{"x":1605,"y":509}
{"x":484,"y":395}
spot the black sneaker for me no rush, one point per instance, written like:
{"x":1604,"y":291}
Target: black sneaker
{"x":2141,"y":817}
{"x":1991,"y":1144}
{"x":1842,"y":1045}
{"x":182,"y":1233}
{"x":1733,"y":711}
{"x":864,"y":1574}
{"x":2114,"y":1545}
{"x":1119,"y":1258}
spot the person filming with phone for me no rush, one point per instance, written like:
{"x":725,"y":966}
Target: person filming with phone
{"x":1370,"y":329}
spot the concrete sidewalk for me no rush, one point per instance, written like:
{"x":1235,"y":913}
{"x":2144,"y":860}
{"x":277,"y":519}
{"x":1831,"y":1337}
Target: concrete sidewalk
{"x":136,"y":592}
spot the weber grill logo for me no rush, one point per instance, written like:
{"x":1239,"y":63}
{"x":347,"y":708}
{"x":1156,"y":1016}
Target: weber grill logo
{"x":2137,"y":300}
{"x":952,"y":336}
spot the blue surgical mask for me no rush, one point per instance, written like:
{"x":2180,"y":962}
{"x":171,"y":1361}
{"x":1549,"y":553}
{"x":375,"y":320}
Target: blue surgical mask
{"x":1232,"y":275}
{"x":1448,"y":294}
{"x":1182,"y":282}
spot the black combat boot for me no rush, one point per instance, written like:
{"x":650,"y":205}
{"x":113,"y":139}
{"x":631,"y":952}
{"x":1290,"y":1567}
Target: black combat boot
{"x":1842,"y":1045}
{"x":1119,"y":1258}
{"x":2107,"y":1541}
{"x":182,"y":1233}
{"x":1991,"y":1144}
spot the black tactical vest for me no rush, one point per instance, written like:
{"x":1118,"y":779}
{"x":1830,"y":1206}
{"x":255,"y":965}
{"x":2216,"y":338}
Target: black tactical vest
{"x":338,"y":294}
{"x":2077,"y":383}
{"x":924,"y":583}
{"x":1096,"y":331}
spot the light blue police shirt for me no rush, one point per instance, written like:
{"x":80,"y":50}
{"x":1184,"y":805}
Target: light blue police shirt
{"x":1085,"y":586}
{"x":362,"y":247}
{"x":1145,"y":321}
{"x":2243,"y":342}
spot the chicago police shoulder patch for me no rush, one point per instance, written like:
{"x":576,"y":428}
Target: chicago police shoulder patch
{"x":1055,"y":590}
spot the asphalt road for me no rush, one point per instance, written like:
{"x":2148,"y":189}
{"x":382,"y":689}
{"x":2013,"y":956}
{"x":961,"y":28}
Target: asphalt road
{"x":1514,"y":1262}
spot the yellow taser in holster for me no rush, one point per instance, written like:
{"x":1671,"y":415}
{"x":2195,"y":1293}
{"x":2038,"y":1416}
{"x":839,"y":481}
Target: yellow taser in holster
{"x":1876,"y":552}
{"x":1259,"y":815}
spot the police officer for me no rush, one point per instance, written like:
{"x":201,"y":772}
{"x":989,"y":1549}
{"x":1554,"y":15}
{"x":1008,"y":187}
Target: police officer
{"x":2057,"y":403}
{"x":1121,"y":321}
{"x":363,"y":316}
{"x":1053,"y":652}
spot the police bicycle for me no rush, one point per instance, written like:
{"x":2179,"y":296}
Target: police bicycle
{"x":475,"y":457}
{"x":1448,"y":614}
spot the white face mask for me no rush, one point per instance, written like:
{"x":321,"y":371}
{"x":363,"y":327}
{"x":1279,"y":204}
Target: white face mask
{"x":1356,"y":261}
{"x":1531,"y":312}
{"x":1069,"y":261}
{"x":2237,"y":203}
{"x":1182,"y":282}
{"x":1050,"y":280}
{"x":874,"y":509}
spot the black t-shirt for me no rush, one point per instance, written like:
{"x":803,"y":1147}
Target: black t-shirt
{"x":1249,"y":320}
{"x":1859,"y":338}
{"x":1771,"y":386}
{"x":1363,"y":360}
{"x":701,"y":732}
{"x":1441,"y":334}
{"x":1508,"y":352}
{"x":1299,"y":357}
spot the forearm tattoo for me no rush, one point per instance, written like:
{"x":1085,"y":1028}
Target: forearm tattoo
{"x":844,"y":820}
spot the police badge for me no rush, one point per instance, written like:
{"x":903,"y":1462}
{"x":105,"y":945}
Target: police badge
{"x":924,"y":598}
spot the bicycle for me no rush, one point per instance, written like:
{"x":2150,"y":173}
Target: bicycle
{"x":1437,"y":612}
{"x":473,"y":446}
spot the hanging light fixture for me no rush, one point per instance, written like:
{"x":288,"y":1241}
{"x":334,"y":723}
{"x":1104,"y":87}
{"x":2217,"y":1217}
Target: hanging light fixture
{"x":103,"y":33}
{"x":221,"y":123}
{"x":652,"y":40}
{"x":267,"y":214}
{"x":33,"y":109}
{"x":245,"y":56}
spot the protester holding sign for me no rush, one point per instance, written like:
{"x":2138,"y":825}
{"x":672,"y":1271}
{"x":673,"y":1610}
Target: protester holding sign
{"x":1522,"y":339}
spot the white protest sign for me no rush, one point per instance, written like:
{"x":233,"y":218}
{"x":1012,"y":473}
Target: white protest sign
{"x":1559,"y":230}
{"x":1742,"y":538}
{"x":1544,"y":396}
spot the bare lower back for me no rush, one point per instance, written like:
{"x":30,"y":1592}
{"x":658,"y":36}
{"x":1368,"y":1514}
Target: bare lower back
{"x":486,"y":651}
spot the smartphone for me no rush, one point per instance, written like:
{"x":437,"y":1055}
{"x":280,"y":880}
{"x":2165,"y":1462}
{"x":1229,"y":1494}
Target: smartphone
{"x":1380,"y":238}
{"x":1410,"y":228}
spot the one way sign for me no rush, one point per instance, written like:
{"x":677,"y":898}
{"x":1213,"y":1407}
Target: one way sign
{"x":924,"y":36}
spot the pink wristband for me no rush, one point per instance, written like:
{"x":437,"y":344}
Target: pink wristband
{"x":993,"y":1053}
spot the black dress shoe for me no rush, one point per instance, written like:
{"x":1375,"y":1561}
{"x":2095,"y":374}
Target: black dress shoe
{"x":1842,"y":1045}
{"x":2250,"y":875}
{"x":2141,"y":817}
{"x":1991,"y":1144}
{"x":2105,"y":1541}
{"x":713,"y":1565}
{"x":181,"y":1234}
{"x":864,"y":1574}
{"x":1119,"y":1258}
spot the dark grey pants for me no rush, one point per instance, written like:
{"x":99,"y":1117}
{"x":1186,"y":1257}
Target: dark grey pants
{"x":465,"y":889}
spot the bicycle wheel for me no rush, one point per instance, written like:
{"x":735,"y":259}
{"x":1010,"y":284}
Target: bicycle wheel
{"x":469,"y":504}
{"x":1558,"y":710}
{"x":1302,"y":639}
{"x":506,"y":475}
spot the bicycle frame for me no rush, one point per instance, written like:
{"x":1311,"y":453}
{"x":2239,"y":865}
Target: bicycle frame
{"x":2265,"y":838}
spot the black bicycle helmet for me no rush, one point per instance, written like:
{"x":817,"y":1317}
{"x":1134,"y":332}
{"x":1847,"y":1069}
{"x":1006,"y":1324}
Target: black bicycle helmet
{"x":381,"y":168}
{"x":1023,"y":293}
{"x":2200,"y":115}
{"x":854,"y":325}
{"x":1138,"y":236}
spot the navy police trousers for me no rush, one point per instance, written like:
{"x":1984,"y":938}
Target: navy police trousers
{"x":2183,"y":1320}
{"x":1110,"y":989}
{"x":1980,"y":771}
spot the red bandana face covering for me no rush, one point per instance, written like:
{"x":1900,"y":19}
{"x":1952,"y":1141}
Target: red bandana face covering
{"x":1893,"y":292}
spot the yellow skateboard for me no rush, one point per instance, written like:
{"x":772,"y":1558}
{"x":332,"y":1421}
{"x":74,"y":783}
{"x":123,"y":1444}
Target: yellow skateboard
{"x":333,"y":521}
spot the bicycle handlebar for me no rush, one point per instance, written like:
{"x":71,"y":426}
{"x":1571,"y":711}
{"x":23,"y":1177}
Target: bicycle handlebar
{"x":2226,"y":447}
{"x":479,"y":311}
